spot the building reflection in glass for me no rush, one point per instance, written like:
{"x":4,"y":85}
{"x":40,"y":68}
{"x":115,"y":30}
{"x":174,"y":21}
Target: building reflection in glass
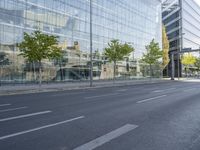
{"x":137,"y":21}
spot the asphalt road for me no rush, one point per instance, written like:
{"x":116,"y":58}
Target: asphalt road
{"x":160,"y":116}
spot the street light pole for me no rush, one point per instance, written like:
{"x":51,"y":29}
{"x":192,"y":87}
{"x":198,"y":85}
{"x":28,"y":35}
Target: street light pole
{"x":181,"y":38}
{"x":172,"y":66}
{"x":91,"y":61}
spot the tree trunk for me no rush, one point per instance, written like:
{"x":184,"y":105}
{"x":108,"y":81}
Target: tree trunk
{"x":186,"y":72}
{"x":61,"y":72}
{"x":79,"y":67}
{"x":150,"y":71}
{"x":40,"y":74}
{"x":114,"y":69}
{"x":1,"y":74}
{"x":34,"y":73}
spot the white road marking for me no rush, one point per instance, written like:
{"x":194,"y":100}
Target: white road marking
{"x":191,"y":89}
{"x":4,"y":105}
{"x":101,"y":96}
{"x":107,"y":137}
{"x":164,"y":90}
{"x":12,"y":109}
{"x":122,"y":90}
{"x":65,"y":94}
{"x":24,"y":116}
{"x":149,"y":99}
{"x":39,"y":128}
{"x":157,"y":91}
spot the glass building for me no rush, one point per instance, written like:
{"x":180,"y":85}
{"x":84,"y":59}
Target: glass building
{"x":181,"y":19}
{"x":136,"y":22}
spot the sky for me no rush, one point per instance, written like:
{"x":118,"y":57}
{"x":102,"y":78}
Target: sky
{"x":198,"y":1}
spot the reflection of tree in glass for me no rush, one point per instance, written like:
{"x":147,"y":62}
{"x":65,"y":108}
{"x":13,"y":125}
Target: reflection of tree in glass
{"x":4,"y":59}
{"x":61,"y":62}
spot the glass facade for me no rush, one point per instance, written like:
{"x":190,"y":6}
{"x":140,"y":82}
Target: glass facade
{"x":133,"y":21}
{"x":191,"y":23}
{"x":181,"y":18}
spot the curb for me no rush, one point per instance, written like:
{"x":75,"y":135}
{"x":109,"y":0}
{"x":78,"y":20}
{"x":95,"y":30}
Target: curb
{"x":32,"y":91}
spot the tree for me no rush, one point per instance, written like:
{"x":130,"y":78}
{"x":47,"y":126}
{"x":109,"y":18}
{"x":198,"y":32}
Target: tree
{"x":3,"y":62}
{"x":153,"y":54}
{"x":197,"y":64}
{"x":116,"y":51}
{"x":38,"y":46}
{"x":4,"y":59}
{"x":165,"y":48}
{"x":187,"y":60}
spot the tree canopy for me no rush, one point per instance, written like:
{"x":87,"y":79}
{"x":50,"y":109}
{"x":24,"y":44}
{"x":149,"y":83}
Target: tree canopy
{"x":116,"y":51}
{"x":38,"y":46}
{"x":188,"y":59}
{"x":197,"y":63}
{"x":165,"y":48}
{"x":153,"y":54}
{"x":4,"y":59}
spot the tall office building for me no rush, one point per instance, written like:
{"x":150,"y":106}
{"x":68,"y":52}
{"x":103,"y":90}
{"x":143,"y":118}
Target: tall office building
{"x":182,"y":21}
{"x":136,"y":22}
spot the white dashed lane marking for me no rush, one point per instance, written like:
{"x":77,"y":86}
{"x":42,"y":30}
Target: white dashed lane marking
{"x":107,"y":137}
{"x":25,"y":116}
{"x":39,"y":128}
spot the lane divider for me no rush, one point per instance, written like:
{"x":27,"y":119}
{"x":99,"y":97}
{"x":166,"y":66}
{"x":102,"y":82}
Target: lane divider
{"x":12,"y":109}
{"x":39,"y":128}
{"x":107,"y":137}
{"x":150,"y":99}
{"x":25,"y":116}
{"x":5,"y":105}
{"x":90,"y":97}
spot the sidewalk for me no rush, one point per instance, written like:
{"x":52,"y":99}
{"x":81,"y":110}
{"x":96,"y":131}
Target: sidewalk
{"x":34,"y":88}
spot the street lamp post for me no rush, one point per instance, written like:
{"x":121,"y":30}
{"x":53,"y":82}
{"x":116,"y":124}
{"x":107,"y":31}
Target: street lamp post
{"x":91,"y":61}
{"x":172,"y":66}
{"x":181,"y":39}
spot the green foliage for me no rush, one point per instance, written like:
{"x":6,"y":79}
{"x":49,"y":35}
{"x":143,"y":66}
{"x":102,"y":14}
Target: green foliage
{"x":117,"y":51}
{"x":188,"y":59}
{"x":38,"y":46}
{"x":4,"y":59}
{"x":153,"y":53}
{"x":165,"y":48}
{"x":197,"y":63}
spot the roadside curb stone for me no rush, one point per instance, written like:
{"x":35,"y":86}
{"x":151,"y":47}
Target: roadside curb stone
{"x":24,"y":89}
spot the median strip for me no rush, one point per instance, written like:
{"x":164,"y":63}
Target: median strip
{"x":39,"y":128}
{"x":25,"y":116}
{"x":107,"y":137}
{"x":149,"y":99}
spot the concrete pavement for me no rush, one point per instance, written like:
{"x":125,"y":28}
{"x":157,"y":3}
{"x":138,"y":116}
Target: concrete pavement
{"x":158,"y":116}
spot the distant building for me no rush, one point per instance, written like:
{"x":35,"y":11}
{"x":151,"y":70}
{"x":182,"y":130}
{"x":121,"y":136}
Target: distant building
{"x":182,"y":21}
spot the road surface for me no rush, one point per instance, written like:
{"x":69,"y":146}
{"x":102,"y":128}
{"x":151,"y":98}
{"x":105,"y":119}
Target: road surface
{"x":159,"y":116}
